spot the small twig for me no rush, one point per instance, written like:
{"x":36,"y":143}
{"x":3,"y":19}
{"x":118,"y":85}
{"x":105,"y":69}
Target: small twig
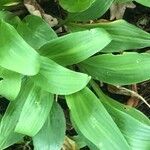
{"x":125,"y":91}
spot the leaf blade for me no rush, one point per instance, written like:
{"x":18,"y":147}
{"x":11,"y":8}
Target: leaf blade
{"x":59,"y":80}
{"x":16,"y":55}
{"x":71,"y":49}
{"x":52,"y":134}
{"x":97,"y":9}
{"x":10,"y":84}
{"x":123,"y":69}
{"x":93,"y":121}
{"x":133,"y":124}
{"x":144,"y":2}
{"x":35,"y":31}
{"x":34,"y":112}
{"x":11,"y":116}
{"x":125,"y":36}
{"x":75,"y":5}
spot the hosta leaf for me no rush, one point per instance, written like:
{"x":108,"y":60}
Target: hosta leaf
{"x":10,"y":84}
{"x":72,"y":49}
{"x":124,"y":35}
{"x":123,"y":69}
{"x":51,"y":136}
{"x":10,"y":18}
{"x":11,"y":116}
{"x":123,"y":1}
{"x":9,"y":2}
{"x":59,"y":80}
{"x":96,"y":10}
{"x":125,"y":108}
{"x":35,"y":31}
{"x":76,"y":5}
{"x":133,"y":124}
{"x":15,"y":53}
{"x":93,"y":122}
{"x":34,"y":112}
{"x":144,"y":2}
{"x":0,"y":117}
{"x":79,"y":141}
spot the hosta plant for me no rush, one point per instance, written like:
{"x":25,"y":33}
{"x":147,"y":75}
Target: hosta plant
{"x":38,"y":68}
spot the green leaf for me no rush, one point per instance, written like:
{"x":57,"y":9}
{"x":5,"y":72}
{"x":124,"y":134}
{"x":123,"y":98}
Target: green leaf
{"x":8,"y":2}
{"x":34,"y":112}
{"x":133,"y":124}
{"x":15,"y":53}
{"x":79,"y":141}
{"x":144,"y":2}
{"x":122,"y":1}
{"x":76,"y":5}
{"x":71,"y":49}
{"x":11,"y":116}
{"x":124,"y":35}
{"x":93,"y":121}
{"x":10,"y":18}
{"x":35,"y":31}
{"x":10,"y":84}
{"x":59,"y":80}
{"x":122,"y":69}
{"x":96,"y":10}
{"x":51,"y":136}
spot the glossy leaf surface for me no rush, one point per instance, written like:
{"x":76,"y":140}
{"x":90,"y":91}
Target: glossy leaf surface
{"x":35,"y":31}
{"x":34,"y":112}
{"x":10,"y":83}
{"x":134,"y":125}
{"x":125,"y":36}
{"x":96,"y":10}
{"x":11,"y":116}
{"x":123,"y":69}
{"x":76,"y":5}
{"x":52,"y":134}
{"x":59,"y":80}
{"x":76,"y":47}
{"x":93,"y":121}
{"x":144,"y":2}
{"x":9,"y":2}
{"x":15,"y":53}
{"x":10,"y":18}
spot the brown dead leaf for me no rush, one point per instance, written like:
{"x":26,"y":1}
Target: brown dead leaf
{"x":135,"y":97}
{"x":35,"y":9}
{"x":117,"y":10}
{"x":133,"y":101}
{"x":69,"y":144}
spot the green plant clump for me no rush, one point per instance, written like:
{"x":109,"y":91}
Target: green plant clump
{"x":38,"y":69}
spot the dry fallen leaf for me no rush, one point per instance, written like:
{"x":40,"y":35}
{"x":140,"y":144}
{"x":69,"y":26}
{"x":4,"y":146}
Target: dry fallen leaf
{"x":124,"y":91}
{"x":69,"y":144}
{"x":35,"y":9}
{"x":133,"y":101}
{"x":117,"y":10}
